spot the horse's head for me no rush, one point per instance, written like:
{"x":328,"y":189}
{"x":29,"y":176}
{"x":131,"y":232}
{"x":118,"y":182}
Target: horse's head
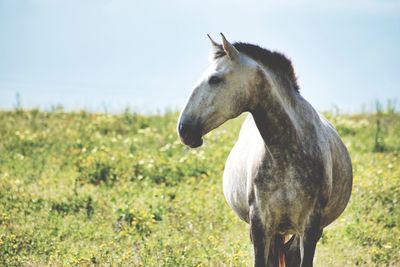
{"x":223,"y":93}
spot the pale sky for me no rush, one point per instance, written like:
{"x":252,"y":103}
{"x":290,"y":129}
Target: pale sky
{"x":148,"y":54}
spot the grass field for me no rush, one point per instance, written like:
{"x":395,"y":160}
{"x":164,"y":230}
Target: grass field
{"x":83,"y":189}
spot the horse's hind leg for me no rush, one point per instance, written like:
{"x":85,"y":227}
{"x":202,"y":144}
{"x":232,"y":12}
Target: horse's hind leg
{"x":292,"y":252}
{"x":277,"y":252}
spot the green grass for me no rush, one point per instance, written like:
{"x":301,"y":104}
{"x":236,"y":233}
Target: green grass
{"x":82,"y":189}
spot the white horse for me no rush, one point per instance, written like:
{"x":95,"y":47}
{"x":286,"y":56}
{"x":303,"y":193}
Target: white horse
{"x":289,"y":173}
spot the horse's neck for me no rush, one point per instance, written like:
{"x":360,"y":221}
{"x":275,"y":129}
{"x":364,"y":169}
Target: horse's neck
{"x":276,"y":118}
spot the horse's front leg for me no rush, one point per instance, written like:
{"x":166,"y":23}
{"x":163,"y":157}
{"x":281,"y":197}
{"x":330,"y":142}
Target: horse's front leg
{"x":261,"y":235}
{"x":309,"y":241}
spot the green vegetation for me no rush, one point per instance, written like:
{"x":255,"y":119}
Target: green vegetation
{"x":82,"y":189}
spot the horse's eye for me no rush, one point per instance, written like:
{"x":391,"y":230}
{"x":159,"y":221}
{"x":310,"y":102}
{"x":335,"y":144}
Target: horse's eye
{"x":215,"y":80}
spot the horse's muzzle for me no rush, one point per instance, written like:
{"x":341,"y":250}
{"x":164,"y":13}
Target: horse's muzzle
{"x":190,"y":134}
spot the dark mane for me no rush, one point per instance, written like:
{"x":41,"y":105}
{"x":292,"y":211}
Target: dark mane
{"x":276,"y":61}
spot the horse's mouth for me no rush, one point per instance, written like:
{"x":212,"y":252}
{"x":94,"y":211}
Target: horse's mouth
{"x":193,"y":142}
{"x":190,"y":134}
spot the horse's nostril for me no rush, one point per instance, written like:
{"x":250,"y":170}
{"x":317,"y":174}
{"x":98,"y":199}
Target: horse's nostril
{"x":183,"y":129}
{"x":190,"y":134}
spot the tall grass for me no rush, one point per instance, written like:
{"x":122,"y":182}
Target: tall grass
{"x":85,"y":189}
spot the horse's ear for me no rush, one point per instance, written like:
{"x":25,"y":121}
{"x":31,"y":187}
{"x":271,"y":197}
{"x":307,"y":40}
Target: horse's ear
{"x":216,"y":46}
{"x":230,"y":50}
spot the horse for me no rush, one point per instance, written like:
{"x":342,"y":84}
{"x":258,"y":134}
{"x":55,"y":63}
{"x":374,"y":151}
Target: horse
{"x":289,"y":174}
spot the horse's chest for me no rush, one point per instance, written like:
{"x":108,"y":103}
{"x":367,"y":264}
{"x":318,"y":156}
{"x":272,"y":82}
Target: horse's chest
{"x":248,"y":150}
{"x":235,"y":191}
{"x":235,"y":185}
{"x":281,"y":193}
